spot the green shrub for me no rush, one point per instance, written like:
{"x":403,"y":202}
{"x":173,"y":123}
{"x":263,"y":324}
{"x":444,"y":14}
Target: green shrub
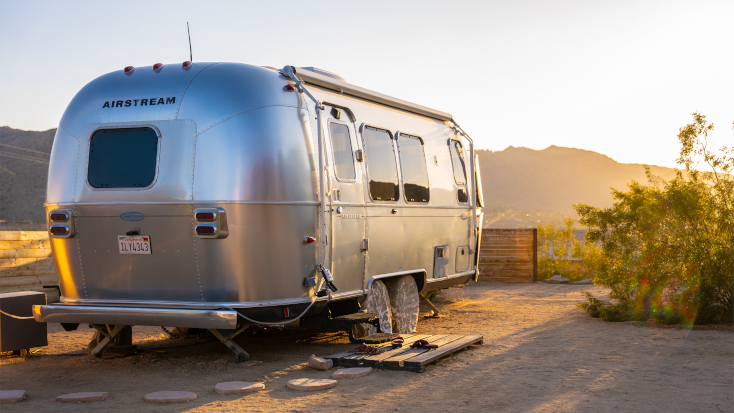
{"x":602,"y":309}
{"x":560,"y":253}
{"x":667,"y":248}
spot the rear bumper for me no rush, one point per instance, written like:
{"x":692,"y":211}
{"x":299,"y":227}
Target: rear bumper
{"x":132,"y":316}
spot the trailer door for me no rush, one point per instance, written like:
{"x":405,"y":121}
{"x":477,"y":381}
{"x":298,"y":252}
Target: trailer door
{"x":347,"y":196}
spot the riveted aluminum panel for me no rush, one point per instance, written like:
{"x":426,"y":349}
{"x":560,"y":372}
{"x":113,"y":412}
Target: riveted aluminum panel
{"x":263,"y":258}
{"x":169,"y":273}
{"x":62,"y":168}
{"x":174,"y":169}
{"x":226,"y":90}
{"x":258,"y":155}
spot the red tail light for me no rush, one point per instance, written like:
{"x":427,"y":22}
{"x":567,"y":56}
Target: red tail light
{"x":157,"y":66}
{"x":129,"y":70}
{"x":309,"y":240}
{"x":59,"y":230}
{"x":187,"y":64}
{"x":205,"y":216}
{"x":59,"y":217}
{"x":210,"y":223}
{"x":289,"y":88}
{"x":205,"y":229}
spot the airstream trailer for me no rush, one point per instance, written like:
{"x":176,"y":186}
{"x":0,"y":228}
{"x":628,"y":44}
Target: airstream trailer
{"x":220,"y":195}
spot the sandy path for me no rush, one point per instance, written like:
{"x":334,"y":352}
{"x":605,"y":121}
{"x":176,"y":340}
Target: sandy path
{"x":541,"y":354}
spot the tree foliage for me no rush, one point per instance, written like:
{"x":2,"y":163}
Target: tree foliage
{"x":668,"y":247}
{"x":559,"y":252}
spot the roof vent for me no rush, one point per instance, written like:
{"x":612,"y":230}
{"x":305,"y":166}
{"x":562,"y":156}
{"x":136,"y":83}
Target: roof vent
{"x":324,"y":73}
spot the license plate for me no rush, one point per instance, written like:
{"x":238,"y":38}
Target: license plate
{"x":134,"y":244}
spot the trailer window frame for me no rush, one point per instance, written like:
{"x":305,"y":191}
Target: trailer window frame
{"x":400,"y":135}
{"x":368,"y":188}
{"x":452,"y":142}
{"x":333,"y":153}
{"x":127,"y":126}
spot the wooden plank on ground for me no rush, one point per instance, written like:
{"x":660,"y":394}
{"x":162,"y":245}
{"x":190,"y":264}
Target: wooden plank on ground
{"x":433,"y":355}
{"x":400,"y":359}
{"x":377,"y":359}
{"x":347,"y":353}
{"x":397,"y":360}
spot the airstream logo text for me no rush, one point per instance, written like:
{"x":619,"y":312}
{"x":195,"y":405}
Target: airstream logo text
{"x":142,"y":102}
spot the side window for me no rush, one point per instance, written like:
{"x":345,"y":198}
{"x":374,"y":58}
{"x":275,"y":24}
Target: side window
{"x":342,"y":147}
{"x":457,"y":160}
{"x":382,"y":171}
{"x":413,"y":165}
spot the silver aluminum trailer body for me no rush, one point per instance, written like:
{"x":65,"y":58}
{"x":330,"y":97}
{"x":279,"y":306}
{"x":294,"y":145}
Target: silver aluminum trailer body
{"x":234,"y":141}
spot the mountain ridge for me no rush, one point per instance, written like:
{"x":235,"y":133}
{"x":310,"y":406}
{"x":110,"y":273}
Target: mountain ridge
{"x":516,"y":178}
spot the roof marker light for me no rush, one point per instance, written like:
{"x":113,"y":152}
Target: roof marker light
{"x":289,"y":88}
{"x":157,"y":67}
{"x":309,"y":240}
{"x":129,"y":70}
{"x":186,"y":65}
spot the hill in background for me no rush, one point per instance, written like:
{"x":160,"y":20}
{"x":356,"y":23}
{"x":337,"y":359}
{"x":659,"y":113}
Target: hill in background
{"x":522,"y":187}
{"x":23,"y":172}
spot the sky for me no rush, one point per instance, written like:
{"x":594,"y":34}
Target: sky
{"x":618,"y":77}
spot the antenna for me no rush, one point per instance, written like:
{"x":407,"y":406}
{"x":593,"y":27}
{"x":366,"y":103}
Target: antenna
{"x":191,"y":54}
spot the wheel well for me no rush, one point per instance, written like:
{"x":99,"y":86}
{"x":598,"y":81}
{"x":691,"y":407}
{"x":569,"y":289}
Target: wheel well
{"x":418,"y":275}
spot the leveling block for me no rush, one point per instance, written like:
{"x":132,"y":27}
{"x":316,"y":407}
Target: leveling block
{"x":406,"y":357}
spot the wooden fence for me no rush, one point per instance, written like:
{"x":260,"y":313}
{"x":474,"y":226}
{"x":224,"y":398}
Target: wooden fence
{"x":509,"y":255}
{"x":26,"y":263}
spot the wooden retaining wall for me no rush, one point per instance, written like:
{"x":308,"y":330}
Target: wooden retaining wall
{"x":509,"y":255}
{"x":26,"y":263}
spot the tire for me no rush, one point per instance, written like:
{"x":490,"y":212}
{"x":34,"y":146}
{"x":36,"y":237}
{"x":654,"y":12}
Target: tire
{"x":404,"y":304}
{"x":377,"y":301}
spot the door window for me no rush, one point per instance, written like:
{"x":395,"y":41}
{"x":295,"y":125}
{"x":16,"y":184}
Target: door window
{"x":457,"y":159}
{"x":342,"y":147}
{"x":413,"y":166}
{"x":382,"y":170}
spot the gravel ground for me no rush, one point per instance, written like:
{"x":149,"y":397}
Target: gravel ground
{"x":540,"y":354}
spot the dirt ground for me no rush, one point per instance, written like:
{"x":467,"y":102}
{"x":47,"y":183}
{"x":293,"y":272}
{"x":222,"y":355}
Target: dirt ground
{"x":540,"y":354}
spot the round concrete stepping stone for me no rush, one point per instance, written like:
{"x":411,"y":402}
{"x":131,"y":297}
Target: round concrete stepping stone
{"x":87,"y":396}
{"x":9,"y":396}
{"x":169,"y":396}
{"x":311,"y":384}
{"x":351,"y":373}
{"x":230,"y":387}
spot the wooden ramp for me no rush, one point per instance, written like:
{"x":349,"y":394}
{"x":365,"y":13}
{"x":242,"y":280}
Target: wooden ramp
{"x":407,"y":358}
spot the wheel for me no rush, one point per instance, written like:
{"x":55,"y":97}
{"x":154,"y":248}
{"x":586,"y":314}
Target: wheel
{"x":404,"y":303}
{"x":377,"y":301}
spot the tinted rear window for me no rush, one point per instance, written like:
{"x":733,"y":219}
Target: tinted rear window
{"x":122,"y":158}
{"x":382,"y":170}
